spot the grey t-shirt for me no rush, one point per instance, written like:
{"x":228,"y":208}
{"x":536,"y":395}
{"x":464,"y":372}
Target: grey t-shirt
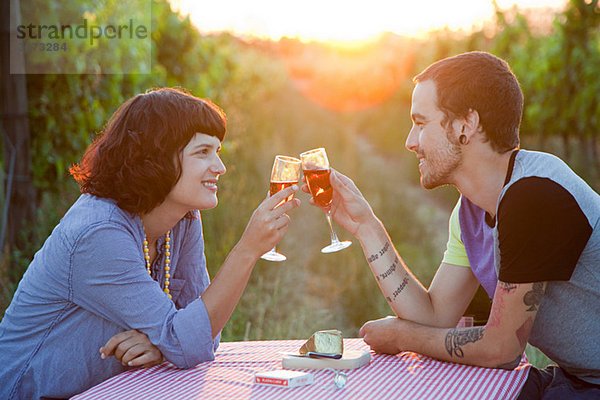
{"x":547,"y":230}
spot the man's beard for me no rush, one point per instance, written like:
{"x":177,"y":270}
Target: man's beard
{"x":441,"y":163}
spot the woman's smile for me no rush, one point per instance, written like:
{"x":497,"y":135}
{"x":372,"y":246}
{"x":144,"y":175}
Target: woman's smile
{"x":210,"y":184}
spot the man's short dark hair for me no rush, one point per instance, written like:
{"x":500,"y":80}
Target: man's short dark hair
{"x":483,"y":82}
{"x":136,"y":159}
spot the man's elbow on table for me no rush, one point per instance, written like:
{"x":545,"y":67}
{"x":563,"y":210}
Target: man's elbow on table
{"x":503,"y":354}
{"x":505,"y":360}
{"x":510,"y":365}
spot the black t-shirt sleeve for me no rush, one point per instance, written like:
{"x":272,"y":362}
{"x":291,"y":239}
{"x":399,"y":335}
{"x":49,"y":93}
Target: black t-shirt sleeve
{"x":541,"y":231}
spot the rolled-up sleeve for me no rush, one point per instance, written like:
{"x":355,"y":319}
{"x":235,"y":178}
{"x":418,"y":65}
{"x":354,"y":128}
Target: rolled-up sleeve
{"x":108,"y":278}
{"x":192,"y":331}
{"x":192,"y":264}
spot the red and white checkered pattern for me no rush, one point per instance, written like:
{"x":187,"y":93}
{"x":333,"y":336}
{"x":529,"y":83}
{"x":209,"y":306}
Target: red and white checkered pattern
{"x":231,"y":376}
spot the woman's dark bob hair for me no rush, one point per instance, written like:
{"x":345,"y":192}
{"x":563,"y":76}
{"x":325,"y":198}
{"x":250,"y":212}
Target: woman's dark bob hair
{"x":136,"y":160}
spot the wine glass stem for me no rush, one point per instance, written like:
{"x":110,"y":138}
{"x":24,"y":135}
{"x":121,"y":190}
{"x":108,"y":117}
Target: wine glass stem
{"x":334,"y":238}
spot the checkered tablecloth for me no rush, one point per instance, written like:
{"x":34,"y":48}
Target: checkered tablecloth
{"x":231,"y":376}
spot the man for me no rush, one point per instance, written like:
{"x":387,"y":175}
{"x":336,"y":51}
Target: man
{"x":524,"y":228}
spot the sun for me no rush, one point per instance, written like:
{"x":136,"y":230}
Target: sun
{"x":344,"y":56}
{"x":341,"y":20}
{"x":346,"y":78}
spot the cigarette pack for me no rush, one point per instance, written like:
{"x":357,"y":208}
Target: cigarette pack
{"x":283,"y":378}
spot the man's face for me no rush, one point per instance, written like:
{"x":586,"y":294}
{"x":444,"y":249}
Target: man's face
{"x":438,"y":156}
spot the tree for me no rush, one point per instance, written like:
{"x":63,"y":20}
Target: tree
{"x":559,"y":76}
{"x":19,"y":203}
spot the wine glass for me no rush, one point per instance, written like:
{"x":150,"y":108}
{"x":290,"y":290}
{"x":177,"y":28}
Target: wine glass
{"x":315,"y":167}
{"x":285,"y":173}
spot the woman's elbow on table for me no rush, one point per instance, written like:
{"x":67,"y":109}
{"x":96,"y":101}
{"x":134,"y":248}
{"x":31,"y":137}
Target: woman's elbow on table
{"x":186,"y":339}
{"x":186,"y":350}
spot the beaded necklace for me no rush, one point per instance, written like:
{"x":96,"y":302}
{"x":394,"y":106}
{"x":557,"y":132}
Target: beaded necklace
{"x":167,"y":259}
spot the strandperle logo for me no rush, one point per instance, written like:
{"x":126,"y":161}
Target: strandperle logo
{"x":84,"y":30}
{"x":83,"y":37}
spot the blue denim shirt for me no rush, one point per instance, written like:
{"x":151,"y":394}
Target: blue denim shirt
{"x":89,"y":282}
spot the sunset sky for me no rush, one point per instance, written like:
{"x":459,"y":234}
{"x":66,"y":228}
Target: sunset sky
{"x":342,"y":19}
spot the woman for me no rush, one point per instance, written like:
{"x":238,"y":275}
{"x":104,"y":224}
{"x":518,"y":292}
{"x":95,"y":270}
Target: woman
{"x":124,"y":272}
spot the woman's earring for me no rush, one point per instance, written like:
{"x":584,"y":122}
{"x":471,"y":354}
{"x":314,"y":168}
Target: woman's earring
{"x":462,"y":139}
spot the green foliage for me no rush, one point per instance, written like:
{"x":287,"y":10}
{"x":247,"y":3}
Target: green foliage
{"x":559,"y":76}
{"x":201,"y":64}
{"x":67,"y":110}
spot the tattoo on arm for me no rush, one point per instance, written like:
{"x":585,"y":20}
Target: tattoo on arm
{"x":385,"y":248}
{"x":390,"y":270}
{"x":507,"y":287}
{"x":399,"y":289}
{"x":533,"y":298}
{"x":456,"y":338}
{"x":372,"y":258}
{"x":511,"y":365}
{"x":376,"y":256}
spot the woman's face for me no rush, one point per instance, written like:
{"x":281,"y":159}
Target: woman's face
{"x":201,"y":167}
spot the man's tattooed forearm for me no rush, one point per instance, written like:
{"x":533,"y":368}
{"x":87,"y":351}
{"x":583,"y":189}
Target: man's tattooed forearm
{"x":376,"y":256}
{"x":533,"y":298}
{"x":456,"y":338}
{"x":390,"y":270}
{"x":399,"y":289}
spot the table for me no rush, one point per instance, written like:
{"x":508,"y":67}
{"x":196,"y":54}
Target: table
{"x":231,"y":376}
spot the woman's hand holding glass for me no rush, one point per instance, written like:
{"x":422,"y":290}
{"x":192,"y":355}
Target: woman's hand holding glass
{"x":285,"y":173}
{"x":331,"y":191}
{"x":269,"y":222}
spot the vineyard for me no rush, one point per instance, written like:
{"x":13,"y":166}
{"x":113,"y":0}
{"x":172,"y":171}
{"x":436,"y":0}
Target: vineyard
{"x":289,"y":96}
